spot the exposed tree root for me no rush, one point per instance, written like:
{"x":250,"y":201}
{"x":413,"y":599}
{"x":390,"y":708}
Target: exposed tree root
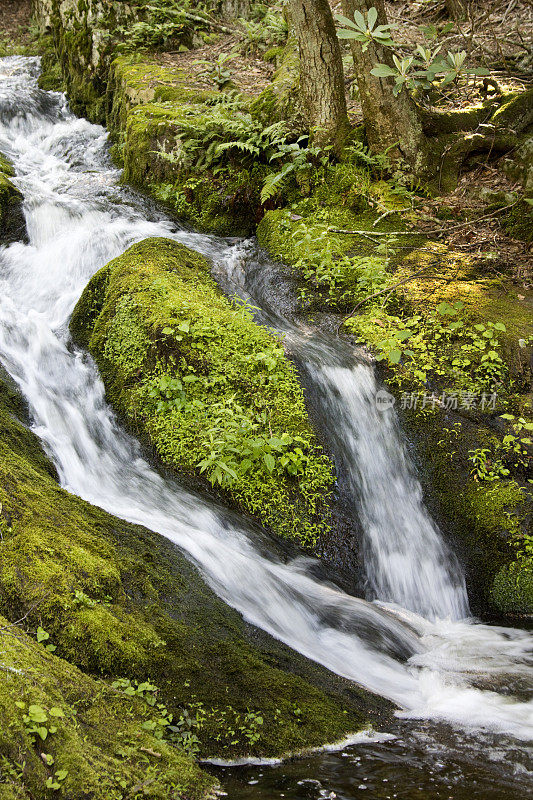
{"x":452,"y":137}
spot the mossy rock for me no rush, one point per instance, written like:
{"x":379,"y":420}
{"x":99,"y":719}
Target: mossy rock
{"x":12,"y":222}
{"x":118,"y":601}
{"x":151,"y":108}
{"x":155,"y":314}
{"x":484,"y":520}
{"x":512,"y":589}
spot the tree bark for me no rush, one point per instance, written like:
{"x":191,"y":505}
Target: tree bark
{"x":321,"y":72}
{"x":391,"y":123}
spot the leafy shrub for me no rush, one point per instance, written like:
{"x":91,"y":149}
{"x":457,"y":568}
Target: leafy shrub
{"x":418,"y":71}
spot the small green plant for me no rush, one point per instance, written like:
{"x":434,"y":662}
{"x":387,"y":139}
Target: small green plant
{"x":37,"y":720}
{"x":485,"y":466}
{"x":82,"y":599}
{"x":515,"y":445}
{"x":218,"y":71}
{"x":229,"y":727}
{"x":227,"y":130}
{"x":43,"y":636}
{"x":364,"y":30}
{"x":236,"y":445}
{"x":296,"y":160}
{"x":417,"y":71}
{"x":162,"y":23}
{"x":268,"y":31}
{"x":56,"y":781}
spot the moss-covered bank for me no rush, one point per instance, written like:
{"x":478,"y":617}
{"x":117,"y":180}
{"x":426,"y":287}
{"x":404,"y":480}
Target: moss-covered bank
{"x":210,"y":388}
{"x":117,"y":601}
{"x":160,"y":122}
{"x":64,"y":732}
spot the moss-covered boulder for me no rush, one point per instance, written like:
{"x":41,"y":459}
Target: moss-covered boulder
{"x":211,"y":390}
{"x":12,"y":222}
{"x":162,"y":122}
{"x":103,"y":600}
{"x":489,"y":521}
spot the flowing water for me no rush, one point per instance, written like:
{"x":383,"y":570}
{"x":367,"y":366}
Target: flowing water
{"x":413,"y":639}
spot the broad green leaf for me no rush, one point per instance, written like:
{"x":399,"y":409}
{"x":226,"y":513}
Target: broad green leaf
{"x":344,"y":20}
{"x":395,"y":355}
{"x":37,"y":714}
{"x":359,"y":21}
{"x":42,"y":635}
{"x":372,"y":17}
{"x":401,"y":336}
{"x":383,"y":71}
{"x":269,"y":460}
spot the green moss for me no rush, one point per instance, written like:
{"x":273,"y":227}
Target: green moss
{"x":50,"y":76}
{"x":99,"y":747}
{"x":512,"y":590}
{"x":155,"y":313}
{"x":487,"y":520}
{"x":519,"y":222}
{"x":120,"y":601}
{"x":304,"y":237}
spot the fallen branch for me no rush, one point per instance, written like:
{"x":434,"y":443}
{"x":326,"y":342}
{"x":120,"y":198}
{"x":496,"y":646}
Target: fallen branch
{"x":370,"y":234}
{"x":440,"y":231}
{"x":208,"y":22}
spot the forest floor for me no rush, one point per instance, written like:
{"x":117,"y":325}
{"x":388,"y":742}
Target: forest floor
{"x":15,"y":18}
{"x":498,"y":32}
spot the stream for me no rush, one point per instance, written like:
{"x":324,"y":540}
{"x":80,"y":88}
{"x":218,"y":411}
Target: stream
{"x":464,"y":719}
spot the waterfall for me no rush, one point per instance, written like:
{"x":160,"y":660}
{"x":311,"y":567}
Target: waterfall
{"x":78,"y":219}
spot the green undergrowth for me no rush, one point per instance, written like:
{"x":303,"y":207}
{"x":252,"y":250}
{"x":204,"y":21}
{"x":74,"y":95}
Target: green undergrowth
{"x":167,"y":134}
{"x":120,"y":603}
{"x":211,"y":389}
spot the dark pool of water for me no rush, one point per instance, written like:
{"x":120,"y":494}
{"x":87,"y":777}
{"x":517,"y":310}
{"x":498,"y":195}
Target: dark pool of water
{"x":422,"y":761}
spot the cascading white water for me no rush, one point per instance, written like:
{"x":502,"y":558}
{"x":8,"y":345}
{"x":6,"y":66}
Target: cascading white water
{"x":406,"y":561}
{"x":77,"y":221}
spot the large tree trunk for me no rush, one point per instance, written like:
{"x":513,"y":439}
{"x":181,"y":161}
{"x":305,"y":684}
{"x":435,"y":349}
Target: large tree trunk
{"x":321,"y":72}
{"x":391,"y":123}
